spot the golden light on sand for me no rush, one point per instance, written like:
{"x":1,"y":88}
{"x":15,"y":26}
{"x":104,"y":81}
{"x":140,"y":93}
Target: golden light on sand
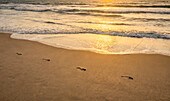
{"x":107,"y":0}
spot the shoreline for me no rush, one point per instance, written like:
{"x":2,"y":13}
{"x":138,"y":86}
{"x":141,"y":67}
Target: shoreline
{"x":29,"y":77}
{"x":99,"y":49}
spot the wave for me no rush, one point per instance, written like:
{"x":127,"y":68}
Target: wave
{"x":78,"y":28}
{"x":152,"y":35}
{"x":50,"y":22}
{"x":42,"y":3}
{"x":138,"y":6}
{"x":116,"y":12}
{"x":100,"y":15}
{"x":43,"y":10}
{"x":150,"y":19}
{"x":106,"y":23}
{"x":126,"y":12}
{"x":142,"y":35}
{"x":76,"y":10}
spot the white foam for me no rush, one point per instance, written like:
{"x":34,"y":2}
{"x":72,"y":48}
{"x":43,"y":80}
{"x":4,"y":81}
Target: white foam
{"x":104,"y":44}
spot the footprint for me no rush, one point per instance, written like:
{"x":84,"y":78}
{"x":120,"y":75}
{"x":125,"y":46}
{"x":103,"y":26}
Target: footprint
{"x":81,"y":68}
{"x":46,"y":59}
{"x":131,"y":78}
{"x":18,"y":53}
{"x":11,"y":77}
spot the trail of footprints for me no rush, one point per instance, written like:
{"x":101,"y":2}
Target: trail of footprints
{"x":79,"y":68}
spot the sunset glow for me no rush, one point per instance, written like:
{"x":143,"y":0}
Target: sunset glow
{"x":84,"y":50}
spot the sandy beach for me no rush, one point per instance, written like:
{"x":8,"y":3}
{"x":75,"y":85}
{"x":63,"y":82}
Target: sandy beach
{"x":30,"y":76}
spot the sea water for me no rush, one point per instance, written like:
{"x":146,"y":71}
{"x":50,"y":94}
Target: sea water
{"x":102,"y":26}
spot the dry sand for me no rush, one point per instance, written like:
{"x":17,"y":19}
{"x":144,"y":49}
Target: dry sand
{"x":28,"y":77}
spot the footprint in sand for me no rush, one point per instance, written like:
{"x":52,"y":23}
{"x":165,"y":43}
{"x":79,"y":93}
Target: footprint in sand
{"x":81,"y":68}
{"x":131,"y":78}
{"x":18,"y":53}
{"x":11,"y":77}
{"x":46,"y":59}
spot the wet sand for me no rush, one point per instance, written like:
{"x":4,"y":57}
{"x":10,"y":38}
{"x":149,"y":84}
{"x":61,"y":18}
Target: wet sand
{"x":31,"y":71}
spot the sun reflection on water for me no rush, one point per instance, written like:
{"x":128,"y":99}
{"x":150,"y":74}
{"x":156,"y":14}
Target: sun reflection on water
{"x":104,"y":43}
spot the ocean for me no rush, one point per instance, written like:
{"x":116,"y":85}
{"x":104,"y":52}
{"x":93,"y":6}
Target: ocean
{"x":102,"y":26}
